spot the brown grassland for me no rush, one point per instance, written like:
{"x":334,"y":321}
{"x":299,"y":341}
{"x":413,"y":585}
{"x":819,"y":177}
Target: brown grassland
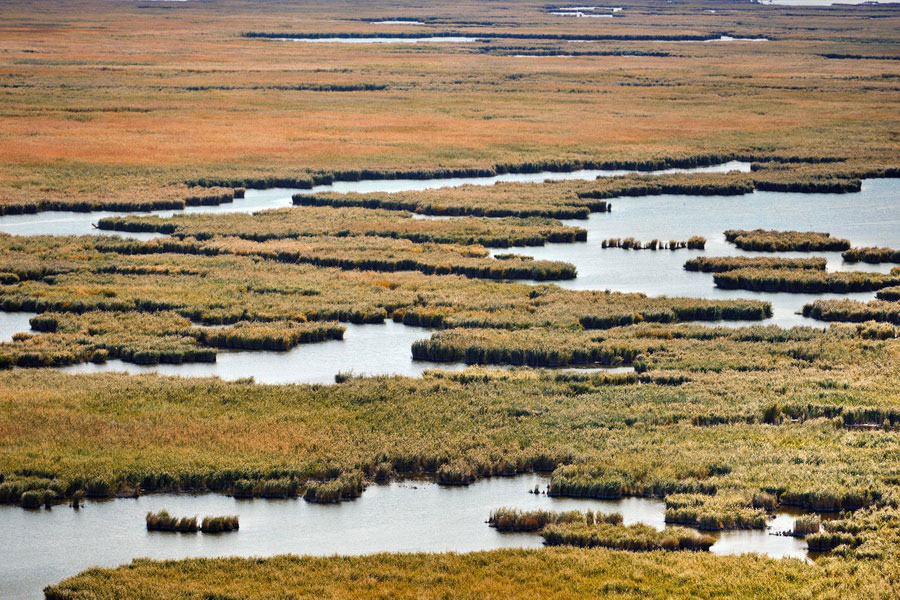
{"x":124,"y":101}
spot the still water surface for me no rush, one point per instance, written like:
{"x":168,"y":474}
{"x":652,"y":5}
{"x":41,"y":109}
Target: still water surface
{"x":81,"y":223}
{"x":365,"y":350}
{"x":868,"y":218}
{"x":399,"y":517}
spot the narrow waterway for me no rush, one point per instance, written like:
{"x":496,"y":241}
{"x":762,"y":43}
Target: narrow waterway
{"x":82,"y":223}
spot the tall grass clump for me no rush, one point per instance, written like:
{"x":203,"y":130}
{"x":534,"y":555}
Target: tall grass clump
{"x":719,"y":264}
{"x":853,"y":311}
{"x":633,"y":538}
{"x":163,"y":521}
{"x":509,"y":519}
{"x":785,"y":241}
{"x":713,"y":513}
{"x":806,"y":525}
{"x":345,"y":487}
{"x":871,"y":255}
{"x":803,"y":281}
{"x":693,"y":243}
{"x":219,"y":524}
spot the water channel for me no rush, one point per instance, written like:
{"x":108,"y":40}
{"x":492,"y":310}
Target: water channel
{"x":411,"y":516}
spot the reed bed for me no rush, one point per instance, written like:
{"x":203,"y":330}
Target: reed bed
{"x":889,"y":294}
{"x":714,"y":513}
{"x":363,"y":254}
{"x":510,"y":519}
{"x":163,"y":521}
{"x":785,"y":241}
{"x":344,"y":487}
{"x":871,"y":255}
{"x":720,"y":264}
{"x":306,"y":222}
{"x":853,"y":311}
{"x":219,"y":524}
{"x":806,"y":525}
{"x":516,"y":574}
{"x":633,"y":538}
{"x":532,"y":347}
{"x":803,"y":281}
{"x":161,"y":197}
{"x":270,"y":336}
{"x":629,"y":243}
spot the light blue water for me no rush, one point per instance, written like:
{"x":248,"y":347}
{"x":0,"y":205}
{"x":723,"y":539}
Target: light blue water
{"x":49,"y":545}
{"x":80,"y":223}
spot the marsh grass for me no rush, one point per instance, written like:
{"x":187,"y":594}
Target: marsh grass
{"x":803,"y":281}
{"x":629,"y":243}
{"x":853,"y":311}
{"x":633,"y":538}
{"x":219,"y":524}
{"x":871,"y":255}
{"x":806,"y":525}
{"x":509,"y":519}
{"x":163,"y":521}
{"x":719,"y":264}
{"x":785,"y":241}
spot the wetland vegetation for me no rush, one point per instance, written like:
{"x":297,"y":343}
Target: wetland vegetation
{"x":189,"y":109}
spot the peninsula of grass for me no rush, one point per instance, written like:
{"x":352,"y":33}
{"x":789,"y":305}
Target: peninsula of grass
{"x":634,"y":538}
{"x":762,"y":240}
{"x":363,"y":254}
{"x":309,"y":222}
{"x":854,"y":311}
{"x":803,"y":281}
{"x":871,"y":255}
{"x":719,"y":264}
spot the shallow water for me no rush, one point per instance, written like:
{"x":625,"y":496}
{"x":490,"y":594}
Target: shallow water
{"x":365,"y":350}
{"x":400,"y":517}
{"x":867,"y":218}
{"x":80,"y":223}
{"x":12,"y":323}
{"x":372,"y":349}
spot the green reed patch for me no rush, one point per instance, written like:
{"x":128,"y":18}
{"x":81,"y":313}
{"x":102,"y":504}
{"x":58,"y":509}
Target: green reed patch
{"x":633,"y":538}
{"x":510,"y":519}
